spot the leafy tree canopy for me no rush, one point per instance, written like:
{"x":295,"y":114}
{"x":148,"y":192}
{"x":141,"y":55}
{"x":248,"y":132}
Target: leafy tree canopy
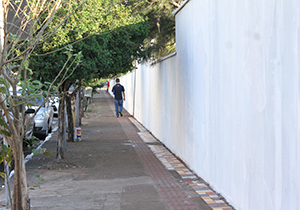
{"x":104,"y":55}
{"x":161,"y":38}
{"x":108,"y":36}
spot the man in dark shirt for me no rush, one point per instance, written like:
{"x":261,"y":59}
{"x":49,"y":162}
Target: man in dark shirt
{"x":118,"y":91}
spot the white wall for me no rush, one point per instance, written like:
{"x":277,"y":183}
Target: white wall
{"x":228,"y":102}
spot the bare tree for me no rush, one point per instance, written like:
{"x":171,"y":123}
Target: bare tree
{"x":23,"y":25}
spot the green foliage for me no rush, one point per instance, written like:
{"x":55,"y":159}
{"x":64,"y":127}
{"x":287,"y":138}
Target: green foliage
{"x":116,"y":43}
{"x":6,"y":155}
{"x":40,"y":151}
{"x":3,"y":123}
{"x":40,"y":179}
{"x":113,"y":53}
{"x":161,"y":38}
{"x":83,"y":19}
{"x":5,"y":132}
{"x":96,"y":82}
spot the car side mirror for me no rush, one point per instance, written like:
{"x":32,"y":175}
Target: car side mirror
{"x":29,"y":111}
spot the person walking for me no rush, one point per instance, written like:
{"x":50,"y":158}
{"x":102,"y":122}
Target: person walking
{"x":119,"y":93}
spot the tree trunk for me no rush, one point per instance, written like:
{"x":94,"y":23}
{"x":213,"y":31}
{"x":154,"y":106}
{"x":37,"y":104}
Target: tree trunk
{"x":20,"y":196}
{"x":61,"y":125}
{"x":61,"y":120}
{"x":70,"y":119}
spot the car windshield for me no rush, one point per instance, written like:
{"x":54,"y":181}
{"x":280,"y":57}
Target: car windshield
{"x":35,"y":102}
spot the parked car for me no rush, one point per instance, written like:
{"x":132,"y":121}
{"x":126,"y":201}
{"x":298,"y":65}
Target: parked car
{"x":28,"y":115}
{"x":28,"y":124}
{"x":43,"y":119}
{"x":55,"y":104}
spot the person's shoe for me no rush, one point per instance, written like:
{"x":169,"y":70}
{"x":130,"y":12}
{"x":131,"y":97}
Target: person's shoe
{"x":117,"y":115}
{"x":121,"y":114}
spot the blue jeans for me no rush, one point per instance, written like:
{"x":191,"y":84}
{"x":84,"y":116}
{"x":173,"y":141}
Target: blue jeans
{"x":118,"y":103}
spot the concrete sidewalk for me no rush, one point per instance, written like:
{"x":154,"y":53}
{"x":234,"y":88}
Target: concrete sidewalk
{"x":114,"y":167}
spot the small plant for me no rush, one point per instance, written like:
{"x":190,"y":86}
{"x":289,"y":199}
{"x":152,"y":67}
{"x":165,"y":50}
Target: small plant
{"x":40,"y":179}
{"x":30,"y":142}
{"x":5,"y":157}
{"x":40,"y":151}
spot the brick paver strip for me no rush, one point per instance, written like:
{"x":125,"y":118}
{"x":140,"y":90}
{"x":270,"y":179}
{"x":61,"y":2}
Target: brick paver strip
{"x":170,"y":190}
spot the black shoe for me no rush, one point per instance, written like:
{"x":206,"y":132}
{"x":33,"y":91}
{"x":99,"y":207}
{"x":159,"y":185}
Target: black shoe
{"x":117,"y":115}
{"x":121,"y":114}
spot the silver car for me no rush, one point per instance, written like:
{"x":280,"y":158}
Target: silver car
{"x":43,"y":119}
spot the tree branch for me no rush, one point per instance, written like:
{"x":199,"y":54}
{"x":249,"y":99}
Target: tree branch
{"x":174,"y":3}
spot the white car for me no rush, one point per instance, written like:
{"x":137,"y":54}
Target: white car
{"x":43,"y":119}
{"x":55,"y":104}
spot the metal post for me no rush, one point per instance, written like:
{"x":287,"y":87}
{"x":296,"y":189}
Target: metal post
{"x":65,"y":127}
{"x":77,"y":100}
{"x":134,"y":88}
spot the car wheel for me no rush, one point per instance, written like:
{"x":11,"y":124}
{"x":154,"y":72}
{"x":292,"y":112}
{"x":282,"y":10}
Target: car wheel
{"x":46,"y":134}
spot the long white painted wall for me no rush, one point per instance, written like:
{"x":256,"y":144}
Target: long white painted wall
{"x":228,"y":102}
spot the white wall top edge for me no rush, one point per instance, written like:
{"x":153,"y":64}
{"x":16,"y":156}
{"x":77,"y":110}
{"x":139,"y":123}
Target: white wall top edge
{"x":164,"y":58}
{"x":179,"y":8}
